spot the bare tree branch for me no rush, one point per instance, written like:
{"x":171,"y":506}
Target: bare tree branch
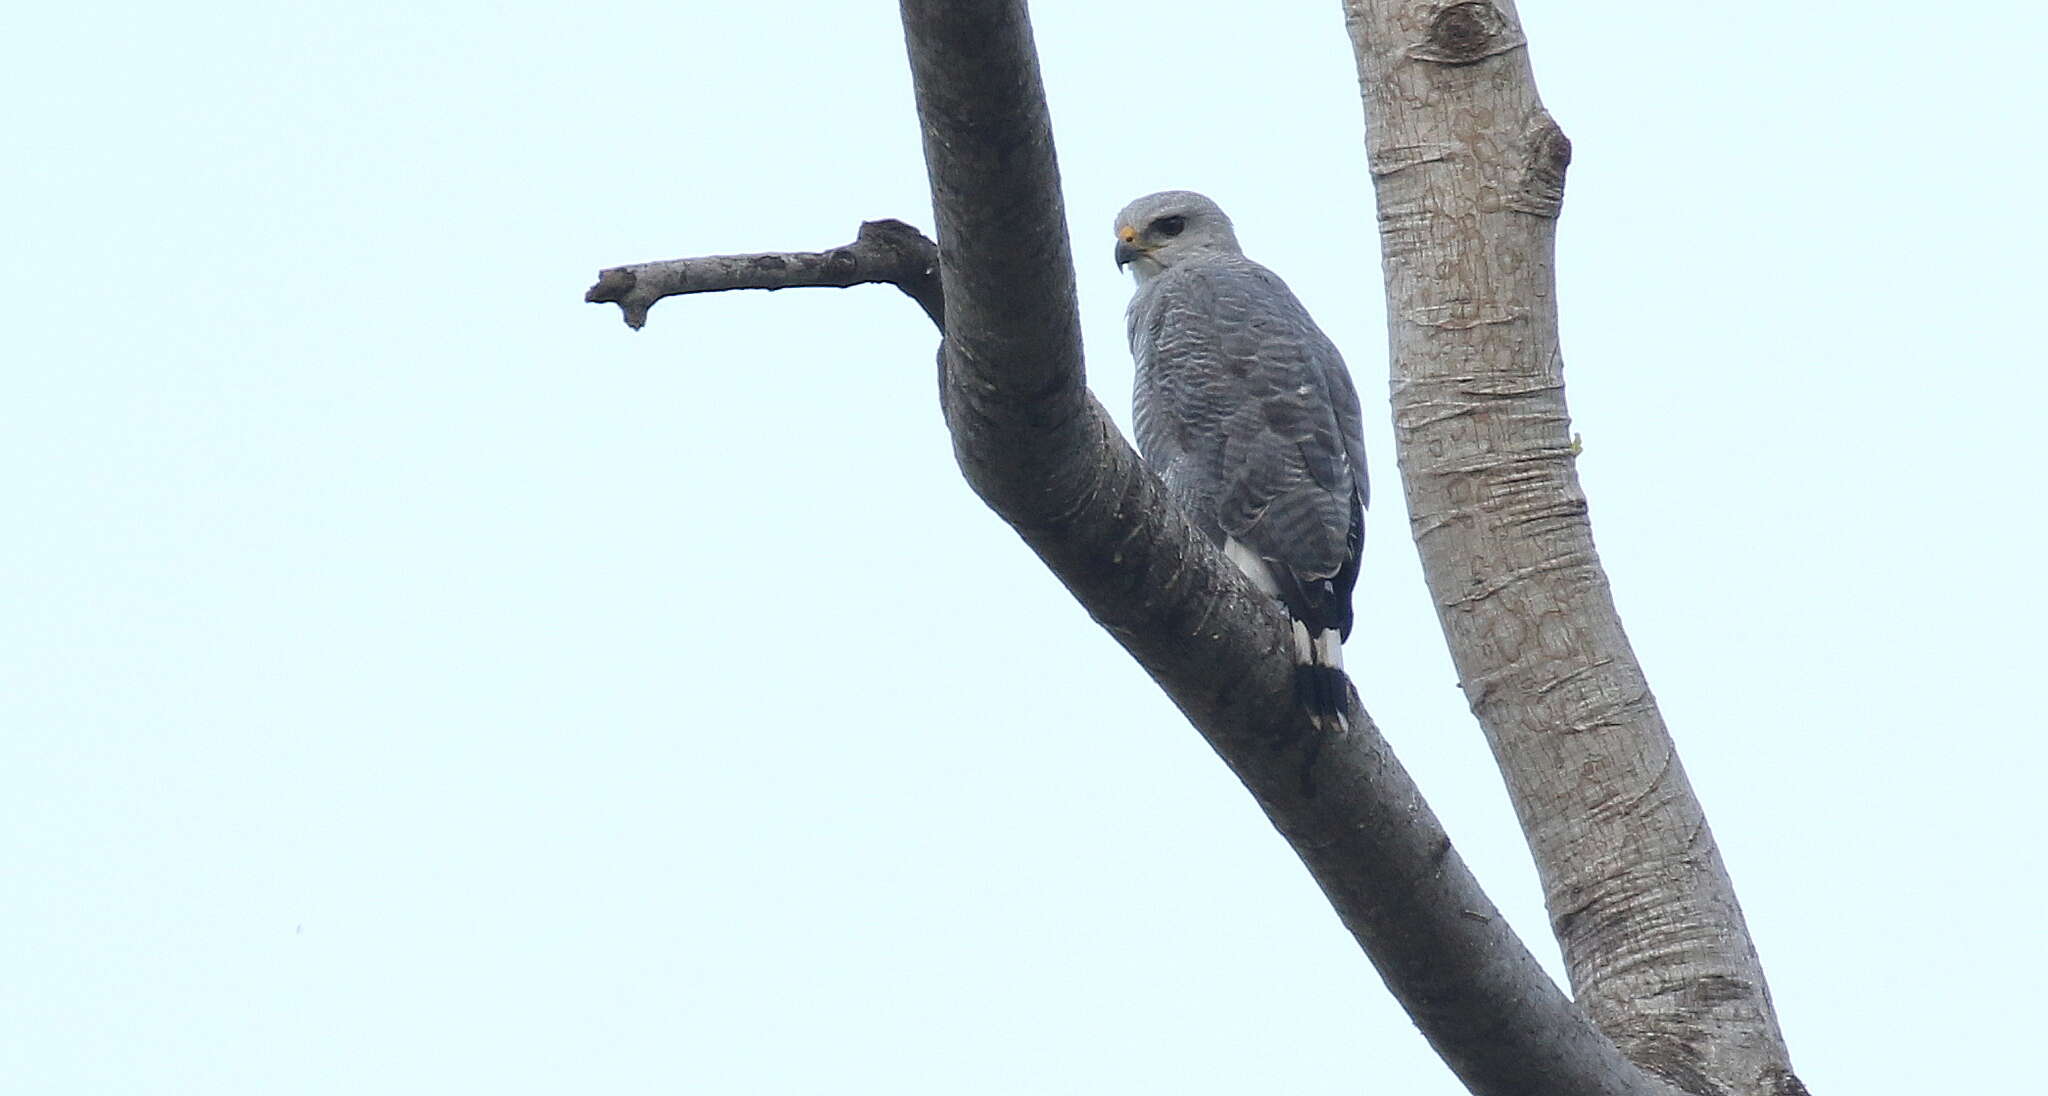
{"x":1469,"y":171}
{"x":884,"y":251}
{"x":1039,"y":449}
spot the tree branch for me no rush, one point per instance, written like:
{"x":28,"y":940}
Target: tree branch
{"x":1469,"y":171}
{"x":884,"y":252}
{"x":1043,"y":454}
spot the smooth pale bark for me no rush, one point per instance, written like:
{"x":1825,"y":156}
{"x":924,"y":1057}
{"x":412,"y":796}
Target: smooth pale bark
{"x":1469,"y":172}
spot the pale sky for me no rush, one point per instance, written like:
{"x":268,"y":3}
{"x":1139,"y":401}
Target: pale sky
{"x":412,"y":681}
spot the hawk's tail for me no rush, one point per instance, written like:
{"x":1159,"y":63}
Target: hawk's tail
{"x":1319,"y":682}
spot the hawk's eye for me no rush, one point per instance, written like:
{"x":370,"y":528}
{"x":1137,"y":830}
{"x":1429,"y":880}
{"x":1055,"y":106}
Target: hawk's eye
{"x":1169,"y":226}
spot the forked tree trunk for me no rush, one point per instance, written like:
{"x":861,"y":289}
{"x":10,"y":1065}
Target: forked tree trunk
{"x":1470,"y":172}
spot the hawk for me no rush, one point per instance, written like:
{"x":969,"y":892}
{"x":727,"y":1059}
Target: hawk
{"x":1244,"y":408}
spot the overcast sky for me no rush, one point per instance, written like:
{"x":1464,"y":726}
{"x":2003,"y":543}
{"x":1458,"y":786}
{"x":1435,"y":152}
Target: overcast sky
{"x":413,"y":681}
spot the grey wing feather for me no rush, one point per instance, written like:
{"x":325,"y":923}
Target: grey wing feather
{"x":1245,"y":409}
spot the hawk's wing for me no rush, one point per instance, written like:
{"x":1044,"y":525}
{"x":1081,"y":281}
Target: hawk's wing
{"x":1245,"y":409}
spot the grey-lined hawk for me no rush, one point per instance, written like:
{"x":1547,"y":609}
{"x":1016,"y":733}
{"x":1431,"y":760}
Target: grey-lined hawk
{"x":1245,"y":410}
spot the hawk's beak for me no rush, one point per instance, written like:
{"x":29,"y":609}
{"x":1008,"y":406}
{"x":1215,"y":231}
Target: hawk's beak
{"x":1127,"y":249}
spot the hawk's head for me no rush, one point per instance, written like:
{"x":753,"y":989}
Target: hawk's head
{"x":1172,"y":226}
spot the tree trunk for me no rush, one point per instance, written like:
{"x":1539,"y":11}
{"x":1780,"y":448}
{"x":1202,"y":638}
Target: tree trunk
{"x":1469,"y":171}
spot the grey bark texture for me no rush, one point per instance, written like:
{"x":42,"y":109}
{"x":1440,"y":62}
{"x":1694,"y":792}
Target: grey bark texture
{"x":883,"y":252}
{"x":1476,"y":433}
{"x":1469,"y":172}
